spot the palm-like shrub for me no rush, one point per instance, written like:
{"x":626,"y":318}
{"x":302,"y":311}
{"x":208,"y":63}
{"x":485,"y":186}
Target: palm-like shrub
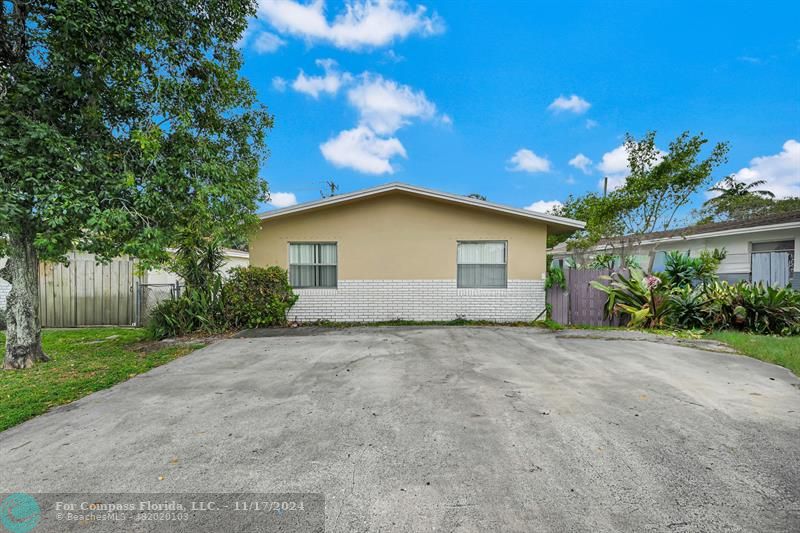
{"x":754,"y":307}
{"x":641,"y":296}
{"x":689,"y":307}
{"x":650,"y":301}
{"x":681,"y":270}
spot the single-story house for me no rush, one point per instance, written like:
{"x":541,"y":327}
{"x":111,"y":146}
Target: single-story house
{"x":398,"y":251}
{"x":761,"y":249}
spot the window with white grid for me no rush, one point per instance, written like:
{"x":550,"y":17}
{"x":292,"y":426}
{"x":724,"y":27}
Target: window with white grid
{"x":482,"y":264}
{"x":312,"y":264}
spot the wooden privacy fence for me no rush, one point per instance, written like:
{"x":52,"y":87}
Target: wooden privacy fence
{"x":579,"y":303}
{"x":87,"y":293}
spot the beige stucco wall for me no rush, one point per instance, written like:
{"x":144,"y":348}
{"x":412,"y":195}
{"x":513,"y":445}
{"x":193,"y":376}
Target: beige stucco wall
{"x":400,"y":236}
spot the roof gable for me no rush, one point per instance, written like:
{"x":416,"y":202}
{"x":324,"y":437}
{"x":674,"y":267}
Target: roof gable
{"x":554,"y":223}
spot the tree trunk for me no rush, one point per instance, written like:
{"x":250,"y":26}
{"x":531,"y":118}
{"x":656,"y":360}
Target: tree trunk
{"x":24,"y":330}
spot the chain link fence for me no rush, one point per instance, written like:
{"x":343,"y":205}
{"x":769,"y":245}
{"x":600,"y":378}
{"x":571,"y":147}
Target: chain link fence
{"x":149,"y":295}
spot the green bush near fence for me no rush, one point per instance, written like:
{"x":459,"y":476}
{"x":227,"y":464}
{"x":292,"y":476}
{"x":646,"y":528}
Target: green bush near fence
{"x":251,"y":297}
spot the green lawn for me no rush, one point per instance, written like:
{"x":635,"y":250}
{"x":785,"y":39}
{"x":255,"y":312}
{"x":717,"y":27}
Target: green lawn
{"x":783,"y":351}
{"x":82,"y":361}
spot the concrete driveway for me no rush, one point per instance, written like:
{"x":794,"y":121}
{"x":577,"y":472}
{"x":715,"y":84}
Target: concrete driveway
{"x":454,"y":429}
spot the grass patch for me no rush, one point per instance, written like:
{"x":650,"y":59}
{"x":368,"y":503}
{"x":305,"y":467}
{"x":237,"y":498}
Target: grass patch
{"x":82,"y":361}
{"x":783,"y":351}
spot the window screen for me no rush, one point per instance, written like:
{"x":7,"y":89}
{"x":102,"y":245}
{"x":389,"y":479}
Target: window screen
{"x":482,"y":265}
{"x":312,"y":264}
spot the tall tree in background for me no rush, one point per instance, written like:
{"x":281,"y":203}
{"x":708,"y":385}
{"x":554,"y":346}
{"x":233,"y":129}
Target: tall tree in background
{"x":121,"y":122}
{"x":730,"y":188}
{"x":737,"y":200}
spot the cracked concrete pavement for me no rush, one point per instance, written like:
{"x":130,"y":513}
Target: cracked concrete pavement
{"x":454,"y":429}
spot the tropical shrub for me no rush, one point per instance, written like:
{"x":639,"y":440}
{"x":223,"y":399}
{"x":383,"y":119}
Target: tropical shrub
{"x":257,"y":297}
{"x":555,"y":278}
{"x":744,"y":306}
{"x":197,"y":309}
{"x":197,"y":261}
{"x":640,"y":296}
{"x":603,"y":261}
{"x":756,"y":307}
{"x":689,"y":307}
{"x":681,"y":270}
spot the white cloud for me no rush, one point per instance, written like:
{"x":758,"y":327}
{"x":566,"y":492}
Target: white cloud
{"x":362,"y":23}
{"x":582,"y":163}
{"x":279,"y":84}
{"x":590,"y":123}
{"x":781,"y":171}
{"x":266,"y":42}
{"x":330,"y":83}
{"x":615,"y":162}
{"x":282,"y":199}
{"x":544,"y":206}
{"x":362,"y":150}
{"x":525,"y":160}
{"x":573,"y":104}
{"x":385,"y":106}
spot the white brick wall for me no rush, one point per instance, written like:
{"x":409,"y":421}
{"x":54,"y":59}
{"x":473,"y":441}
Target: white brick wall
{"x":383,"y":300}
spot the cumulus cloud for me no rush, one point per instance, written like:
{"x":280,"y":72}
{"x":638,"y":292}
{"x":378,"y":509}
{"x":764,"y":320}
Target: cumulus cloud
{"x":385,"y":106}
{"x":266,"y":42}
{"x":582,"y":163}
{"x":361,"y":149}
{"x":615,"y":161}
{"x":282,"y":199}
{"x":329,"y":83}
{"x":590,"y":123}
{"x":525,"y":160}
{"x":361,"y":24}
{"x":781,"y":171}
{"x":573,"y":104}
{"x":544,"y":206}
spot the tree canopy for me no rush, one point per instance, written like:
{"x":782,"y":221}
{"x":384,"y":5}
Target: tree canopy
{"x":658,"y":186}
{"x":122,"y":124}
{"x":124,"y":121}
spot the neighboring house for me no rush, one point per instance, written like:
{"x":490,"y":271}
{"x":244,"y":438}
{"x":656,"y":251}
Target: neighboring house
{"x":760,"y":249}
{"x":403,"y":252}
{"x":86,"y":292}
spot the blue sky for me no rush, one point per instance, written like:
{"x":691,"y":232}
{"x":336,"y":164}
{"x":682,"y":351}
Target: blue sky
{"x":523,"y":102}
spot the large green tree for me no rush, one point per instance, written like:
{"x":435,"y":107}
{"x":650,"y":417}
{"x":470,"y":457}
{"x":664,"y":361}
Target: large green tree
{"x":659,"y":185}
{"x":121,"y":122}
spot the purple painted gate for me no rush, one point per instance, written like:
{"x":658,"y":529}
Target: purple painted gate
{"x":579,"y":303}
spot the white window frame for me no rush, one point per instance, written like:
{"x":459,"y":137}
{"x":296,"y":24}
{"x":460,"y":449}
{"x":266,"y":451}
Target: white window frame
{"x":478,"y":241}
{"x":312,"y":287}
